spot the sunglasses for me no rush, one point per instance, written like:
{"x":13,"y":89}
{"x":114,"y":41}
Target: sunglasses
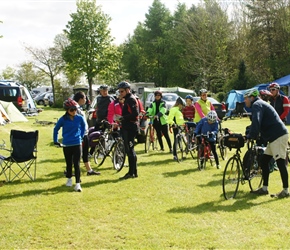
{"x":121,"y":91}
{"x":157,"y":95}
{"x":273,"y":89}
{"x":72,"y":110}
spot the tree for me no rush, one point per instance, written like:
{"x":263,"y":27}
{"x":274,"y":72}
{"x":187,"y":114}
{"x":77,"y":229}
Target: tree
{"x":90,"y":50}
{"x":8,"y":73}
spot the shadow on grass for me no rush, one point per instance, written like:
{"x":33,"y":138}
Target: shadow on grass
{"x":155,"y":163}
{"x":243,"y":201}
{"x":180,"y":172}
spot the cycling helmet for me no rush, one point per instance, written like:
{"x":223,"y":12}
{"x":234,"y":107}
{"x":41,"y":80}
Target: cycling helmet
{"x":179,"y":100}
{"x":274,"y":85}
{"x":212,"y":116}
{"x":103,"y":87}
{"x":189,"y":97}
{"x":265,"y":92}
{"x":202,"y":91}
{"x":158,"y":92}
{"x":70,"y":103}
{"x":124,"y":85}
{"x":251,"y":92}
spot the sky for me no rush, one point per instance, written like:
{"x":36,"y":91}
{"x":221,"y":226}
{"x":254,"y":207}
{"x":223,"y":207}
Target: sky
{"x":36,"y":23}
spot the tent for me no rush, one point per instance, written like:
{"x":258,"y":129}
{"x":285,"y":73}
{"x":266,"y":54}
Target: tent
{"x":235,"y":96}
{"x":4,"y":118}
{"x":14,"y":115}
{"x":182,"y":92}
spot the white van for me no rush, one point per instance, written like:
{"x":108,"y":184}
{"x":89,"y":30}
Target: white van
{"x":36,"y":91}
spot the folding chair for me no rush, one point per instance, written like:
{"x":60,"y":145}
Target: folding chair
{"x":23,"y":155}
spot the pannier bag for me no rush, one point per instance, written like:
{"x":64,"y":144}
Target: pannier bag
{"x":234,"y":141}
{"x":94,"y":138}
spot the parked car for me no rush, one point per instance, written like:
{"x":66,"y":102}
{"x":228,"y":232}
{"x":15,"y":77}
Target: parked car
{"x":91,"y":113}
{"x":169,"y":98}
{"x":48,"y":99}
{"x":39,"y":99}
{"x":217,"y":105}
{"x":19,"y":95}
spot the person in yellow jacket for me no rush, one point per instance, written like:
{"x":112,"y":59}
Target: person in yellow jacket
{"x":202,"y":106}
{"x":175,"y":118}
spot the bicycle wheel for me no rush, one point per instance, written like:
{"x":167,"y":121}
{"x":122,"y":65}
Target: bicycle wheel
{"x":223,"y":149}
{"x":119,"y":155}
{"x":200,"y":157}
{"x":231,"y":178}
{"x":255,"y":174}
{"x":148,"y":142}
{"x":179,"y":147}
{"x":100,"y":154}
{"x":288,"y":154}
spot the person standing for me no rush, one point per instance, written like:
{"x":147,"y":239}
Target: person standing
{"x":267,"y":124}
{"x":81,"y":99}
{"x":280,"y":102}
{"x":175,"y":118}
{"x":158,"y":110}
{"x":129,"y":121}
{"x":189,"y":109}
{"x":202,"y":106}
{"x":73,"y":130}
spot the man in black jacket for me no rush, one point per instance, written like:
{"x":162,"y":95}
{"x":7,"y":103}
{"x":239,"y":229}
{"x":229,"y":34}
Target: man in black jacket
{"x":267,"y":124}
{"x":129,"y":127}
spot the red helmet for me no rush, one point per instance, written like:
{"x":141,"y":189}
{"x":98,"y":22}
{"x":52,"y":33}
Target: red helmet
{"x":265,"y":92}
{"x":70,"y":103}
{"x":274,"y":85}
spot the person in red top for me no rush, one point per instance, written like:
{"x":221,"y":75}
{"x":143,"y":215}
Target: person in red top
{"x":115,"y":109}
{"x":279,"y":102}
{"x":189,"y":110}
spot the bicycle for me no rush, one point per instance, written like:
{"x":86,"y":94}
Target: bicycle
{"x":203,"y":152}
{"x":189,"y":134}
{"x":236,"y":172}
{"x":180,"y":143}
{"x":220,"y":141}
{"x":151,"y":138}
{"x":110,"y":144}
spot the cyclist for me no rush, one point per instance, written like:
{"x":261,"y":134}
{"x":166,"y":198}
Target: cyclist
{"x":129,"y":121}
{"x":209,"y":126}
{"x":158,"y":110}
{"x":279,"y":102}
{"x":202,"y":106}
{"x":189,"y":109}
{"x":175,"y":117}
{"x":265,"y":95}
{"x":267,"y":124}
{"x":115,"y":109}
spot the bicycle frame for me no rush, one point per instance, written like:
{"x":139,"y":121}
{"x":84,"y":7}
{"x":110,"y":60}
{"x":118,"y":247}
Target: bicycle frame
{"x":203,"y":152}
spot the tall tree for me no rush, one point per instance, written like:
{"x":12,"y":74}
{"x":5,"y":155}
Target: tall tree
{"x":90,"y":50}
{"x":8,"y":73}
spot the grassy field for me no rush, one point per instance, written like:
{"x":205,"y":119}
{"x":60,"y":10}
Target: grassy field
{"x":170,"y":205}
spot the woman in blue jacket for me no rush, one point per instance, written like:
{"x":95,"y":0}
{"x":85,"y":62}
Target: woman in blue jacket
{"x":73,"y":130}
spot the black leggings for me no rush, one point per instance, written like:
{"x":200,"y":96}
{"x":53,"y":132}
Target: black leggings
{"x":266,"y":171}
{"x":72,"y":156}
{"x":129,"y":137}
{"x":85,"y":149}
{"x":162,"y":130}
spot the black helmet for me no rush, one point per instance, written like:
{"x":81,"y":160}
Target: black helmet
{"x":179,"y":100}
{"x":104,"y":86}
{"x":124,"y":85}
{"x":158,"y":92}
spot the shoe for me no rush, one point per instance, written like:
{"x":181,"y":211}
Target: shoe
{"x":175,"y":158}
{"x":218,"y":166}
{"x":127,"y":176}
{"x":162,"y":149}
{"x":280,"y":195}
{"x":78,"y":187}
{"x":92,"y":172}
{"x":69,"y":182}
{"x":260,"y":191}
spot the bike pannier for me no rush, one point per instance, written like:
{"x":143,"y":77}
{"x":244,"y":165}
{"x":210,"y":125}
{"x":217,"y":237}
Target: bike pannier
{"x":234,"y":141}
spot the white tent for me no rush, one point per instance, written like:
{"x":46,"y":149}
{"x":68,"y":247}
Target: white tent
{"x":14,"y":115}
{"x":4,"y":118}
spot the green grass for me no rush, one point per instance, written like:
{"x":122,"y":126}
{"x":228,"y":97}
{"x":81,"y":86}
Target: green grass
{"x":170,"y":205}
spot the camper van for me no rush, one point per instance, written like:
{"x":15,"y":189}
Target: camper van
{"x":11,"y":91}
{"x":139,"y":87}
{"x":39,"y":90}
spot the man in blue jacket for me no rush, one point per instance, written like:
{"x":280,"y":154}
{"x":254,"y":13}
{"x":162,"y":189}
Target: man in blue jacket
{"x":267,"y":124}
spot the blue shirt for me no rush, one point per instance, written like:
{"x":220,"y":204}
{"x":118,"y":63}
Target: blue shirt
{"x":72,"y":130}
{"x":203,"y":127}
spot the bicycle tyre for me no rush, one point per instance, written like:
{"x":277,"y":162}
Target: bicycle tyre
{"x":119,"y":155}
{"x":190,"y":146}
{"x":223,"y":149}
{"x":148,"y":139}
{"x":255,"y":174}
{"x":200,"y":157}
{"x":100,"y":154}
{"x":231,"y":178}
{"x":179,"y":147}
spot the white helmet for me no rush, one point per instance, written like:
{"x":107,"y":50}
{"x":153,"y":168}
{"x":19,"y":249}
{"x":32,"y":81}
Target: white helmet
{"x":212,"y":116}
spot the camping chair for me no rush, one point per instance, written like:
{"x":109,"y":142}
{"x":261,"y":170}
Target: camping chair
{"x":23,"y":155}
{"x":239,"y":110}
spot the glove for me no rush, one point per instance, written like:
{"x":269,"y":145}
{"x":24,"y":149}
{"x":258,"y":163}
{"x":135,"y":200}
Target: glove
{"x":121,"y":118}
{"x":57,"y":144}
